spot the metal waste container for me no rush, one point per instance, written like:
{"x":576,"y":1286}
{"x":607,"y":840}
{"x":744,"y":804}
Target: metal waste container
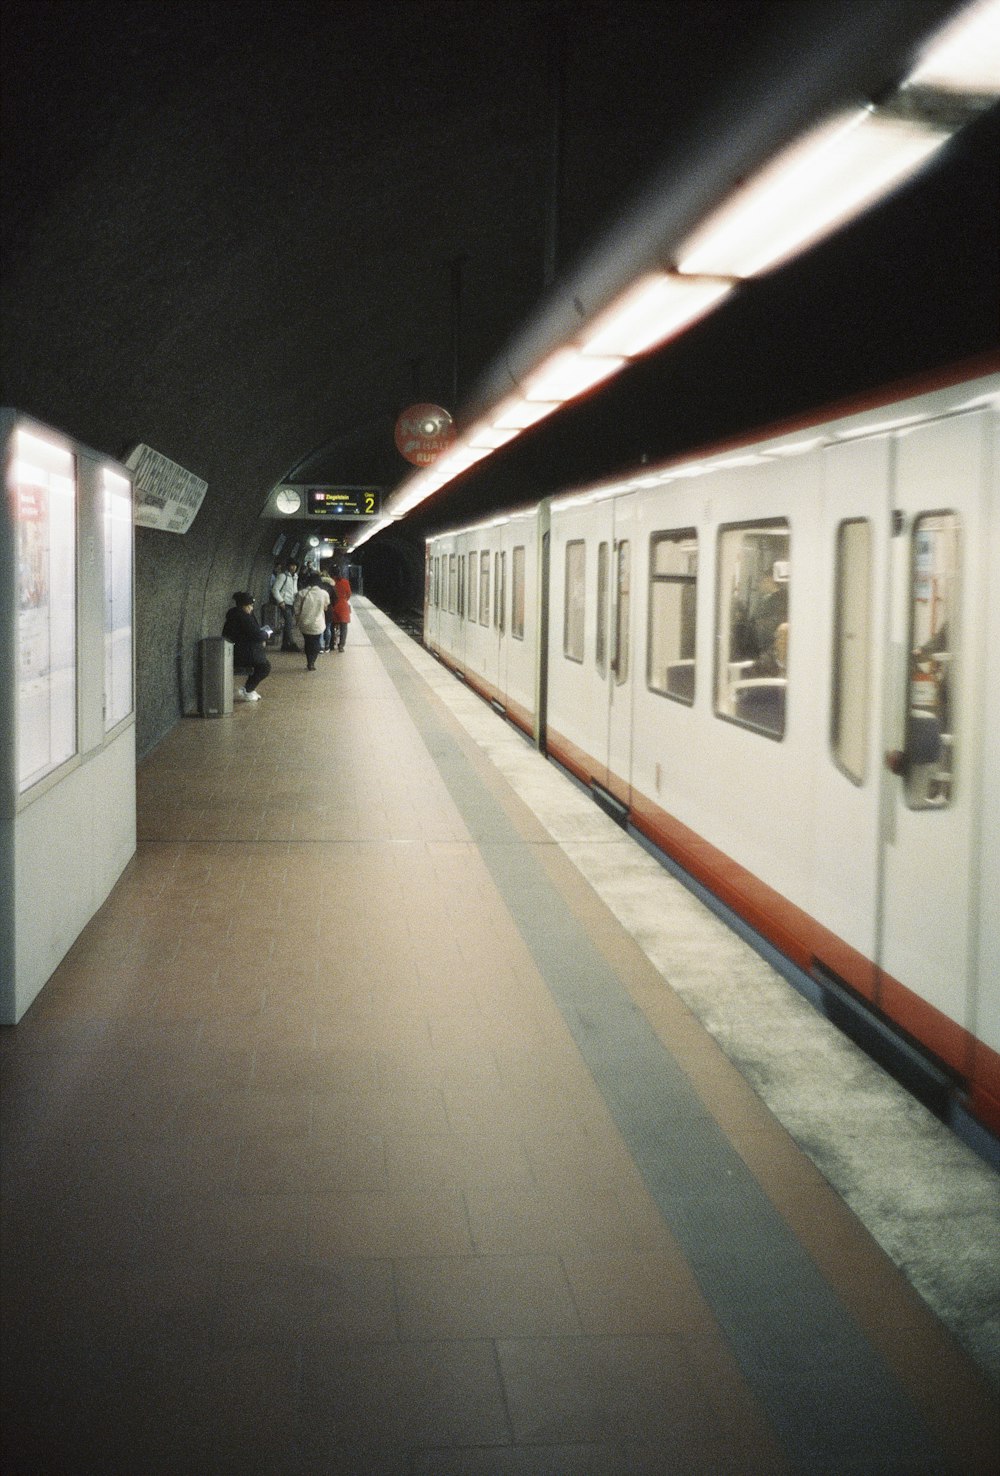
{"x":215,"y":677}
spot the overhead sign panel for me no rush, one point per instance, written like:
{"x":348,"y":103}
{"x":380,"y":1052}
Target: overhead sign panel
{"x":344,"y":502}
{"x":166,"y":496}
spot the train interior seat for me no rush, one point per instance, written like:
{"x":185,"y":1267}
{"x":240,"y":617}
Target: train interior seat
{"x":680,"y":679}
{"x":760,"y":701}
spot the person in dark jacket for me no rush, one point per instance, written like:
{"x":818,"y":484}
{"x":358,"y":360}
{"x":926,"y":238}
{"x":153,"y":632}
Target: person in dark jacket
{"x":250,"y":639}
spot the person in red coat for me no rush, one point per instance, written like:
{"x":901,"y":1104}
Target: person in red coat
{"x":341,"y":611}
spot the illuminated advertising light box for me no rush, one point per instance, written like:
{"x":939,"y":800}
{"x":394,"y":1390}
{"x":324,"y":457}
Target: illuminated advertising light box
{"x":67,"y":697}
{"x":43,"y":478}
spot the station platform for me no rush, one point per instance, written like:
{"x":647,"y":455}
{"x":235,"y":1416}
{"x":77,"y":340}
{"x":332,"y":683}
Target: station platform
{"x":384,"y":1121}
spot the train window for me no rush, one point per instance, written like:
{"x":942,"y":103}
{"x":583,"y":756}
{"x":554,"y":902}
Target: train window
{"x":673,"y":590}
{"x":461,"y":586}
{"x":574,"y":608}
{"x":517,"y":594}
{"x":601,"y":647}
{"x":752,"y":625}
{"x":850,"y":697}
{"x":473,"y":600}
{"x":500,"y":593}
{"x":623,"y":604}
{"x":934,"y":634}
{"x":484,"y":588}
{"x":452,"y":583}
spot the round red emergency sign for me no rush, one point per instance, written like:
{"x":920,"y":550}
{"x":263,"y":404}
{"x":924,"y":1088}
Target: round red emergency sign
{"x":423,"y":432}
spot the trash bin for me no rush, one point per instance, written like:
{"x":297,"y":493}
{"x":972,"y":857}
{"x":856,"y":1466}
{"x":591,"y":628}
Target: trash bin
{"x":215,"y":677}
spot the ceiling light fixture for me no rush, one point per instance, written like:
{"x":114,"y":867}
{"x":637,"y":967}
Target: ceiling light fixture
{"x":517,"y":415}
{"x":568,"y":373}
{"x":653,"y":310}
{"x":964,"y":57}
{"x":818,"y":184}
{"x":809,"y":190}
{"x":491,"y":437}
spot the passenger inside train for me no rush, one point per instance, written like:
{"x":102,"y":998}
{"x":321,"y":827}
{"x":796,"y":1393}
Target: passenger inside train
{"x":755,"y":675}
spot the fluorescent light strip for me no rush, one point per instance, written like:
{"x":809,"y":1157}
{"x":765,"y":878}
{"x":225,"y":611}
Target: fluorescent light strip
{"x":519,"y":414}
{"x":965,"y":56}
{"x":656,"y":308}
{"x":490,"y":437}
{"x":811,"y":189}
{"x":568,"y":373}
{"x":808,"y":191}
{"x":370,"y":532}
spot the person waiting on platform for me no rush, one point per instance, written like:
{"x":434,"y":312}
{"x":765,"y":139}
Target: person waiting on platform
{"x":327,"y":580}
{"x":311,"y":605}
{"x":285,"y":588}
{"x":249,"y":639}
{"x":341,"y":610}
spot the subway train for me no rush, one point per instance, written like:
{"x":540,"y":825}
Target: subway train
{"x":778,"y":661}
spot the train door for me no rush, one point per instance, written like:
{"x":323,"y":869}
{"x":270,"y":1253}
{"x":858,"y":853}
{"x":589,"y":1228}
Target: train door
{"x":501,"y":601}
{"x":934,"y":731}
{"x":489,"y":568}
{"x":622,"y":658}
{"x":518,"y":695}
{"x":849,"y":777}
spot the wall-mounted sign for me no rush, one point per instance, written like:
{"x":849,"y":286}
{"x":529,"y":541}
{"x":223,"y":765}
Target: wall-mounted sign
{"x":344,"y":502}
{"x":166,"y":496}
{"x":423,"y":432}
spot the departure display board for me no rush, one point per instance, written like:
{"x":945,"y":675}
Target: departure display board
{"x":344,"y":502}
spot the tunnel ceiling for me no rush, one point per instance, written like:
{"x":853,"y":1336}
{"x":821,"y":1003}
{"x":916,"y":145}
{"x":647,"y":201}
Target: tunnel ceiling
{"x":228,"y":230}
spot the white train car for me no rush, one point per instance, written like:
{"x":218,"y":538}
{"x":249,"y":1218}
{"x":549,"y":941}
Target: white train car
{"x":481,"y":610}
{"x":778,"y":662}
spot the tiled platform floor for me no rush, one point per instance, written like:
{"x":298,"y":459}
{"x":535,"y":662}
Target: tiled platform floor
{"x":320,"y":1155}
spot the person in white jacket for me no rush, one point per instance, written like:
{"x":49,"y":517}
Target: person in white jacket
{"x":283,"y":591}
{"x":311,"y":603}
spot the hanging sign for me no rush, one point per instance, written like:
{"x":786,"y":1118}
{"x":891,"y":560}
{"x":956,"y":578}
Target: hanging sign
{"x":423,"y":432}
{"x":166,"y":496}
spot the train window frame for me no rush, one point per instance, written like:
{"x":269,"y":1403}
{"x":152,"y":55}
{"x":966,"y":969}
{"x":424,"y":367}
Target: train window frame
{"x":603,"y":606}
{"x":929,"y":690}
{"x":574,"y":600}
{"x":669,"y":580}
{"x":452,"y":583}
{"x":472,"y":608}
{"x":484,"y":587}
{"x":851,"y":661}
{"x":735,"y":680}
{"x":461,"y":586}
{"x":518,"y":571}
